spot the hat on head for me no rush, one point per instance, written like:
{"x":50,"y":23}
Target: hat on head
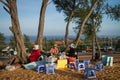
{"x":55,"y":45}
{"x":36,"y":47}
{"x":72,"y":45}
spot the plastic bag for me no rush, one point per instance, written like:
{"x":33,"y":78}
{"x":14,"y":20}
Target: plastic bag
{"x":10,"y":67}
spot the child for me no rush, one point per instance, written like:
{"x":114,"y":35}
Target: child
{"x":35,"y":54}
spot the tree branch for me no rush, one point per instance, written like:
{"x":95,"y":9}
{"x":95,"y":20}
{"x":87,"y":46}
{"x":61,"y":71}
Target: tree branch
{"x":6,"y":9}
{"x":49,"y":2}
{"x":6,"y":4}
{"x":7,"y":1}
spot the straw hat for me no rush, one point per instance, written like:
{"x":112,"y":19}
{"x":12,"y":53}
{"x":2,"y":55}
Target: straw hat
{"x":36,"y":47}
{"x":55,"y":45}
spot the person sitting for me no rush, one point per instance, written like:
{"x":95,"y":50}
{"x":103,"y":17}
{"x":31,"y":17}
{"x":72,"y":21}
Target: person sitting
{"x":97,"y":56}
{"x":71,"y":53}
{"x":54,"y":50}
{"x":35,"y":53}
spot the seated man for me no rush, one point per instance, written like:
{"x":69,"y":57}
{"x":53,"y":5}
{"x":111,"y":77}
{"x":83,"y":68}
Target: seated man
{"x":35,"y":54}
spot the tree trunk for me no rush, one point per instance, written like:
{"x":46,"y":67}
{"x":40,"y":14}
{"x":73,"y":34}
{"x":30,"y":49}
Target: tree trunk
{"x":83,"y":23}
{"x":17,"y":31}
{"x":67,"y":27}
{"x":12,"y":10}
{"x":98,"y":47}
{"x":96,"y":39}
{"x":41,"y":24}
{"x":93,"y":43}
{"x":16,"y":43}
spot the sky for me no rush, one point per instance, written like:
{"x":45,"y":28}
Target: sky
{"x":28,"y":13}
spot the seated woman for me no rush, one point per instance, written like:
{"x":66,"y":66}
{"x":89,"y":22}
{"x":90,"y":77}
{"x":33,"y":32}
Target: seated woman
{"x":35,"y":54}
{"x":54,"y":50}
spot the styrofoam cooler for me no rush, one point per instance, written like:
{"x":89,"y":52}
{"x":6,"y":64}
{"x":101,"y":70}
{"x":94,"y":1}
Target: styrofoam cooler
{"x":104,"y":59}
{"x":87,"y":63}
{"x":109,"y":61}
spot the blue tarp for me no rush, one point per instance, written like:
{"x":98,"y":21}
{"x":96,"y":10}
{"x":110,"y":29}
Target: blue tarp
{"x":33,"y":65}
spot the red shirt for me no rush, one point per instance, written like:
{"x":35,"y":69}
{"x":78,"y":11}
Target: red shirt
{"x":34,"y":55}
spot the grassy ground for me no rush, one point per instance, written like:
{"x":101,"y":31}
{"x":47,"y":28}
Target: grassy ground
{"x":109,"y":73}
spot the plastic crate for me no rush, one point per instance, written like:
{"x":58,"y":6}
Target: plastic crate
{"x":72,"y":65}
{"x":41,"y":68}
{"x":50,"y":69}
{"x":90,"y":73}
{"x":80,"y":66}
{"x":87,"y":63}
{"x":99,"y":66}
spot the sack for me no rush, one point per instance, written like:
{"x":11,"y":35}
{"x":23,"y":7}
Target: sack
{"x":17,"y":66}
{"x":10,"y":67}
{"x":15,"y":52}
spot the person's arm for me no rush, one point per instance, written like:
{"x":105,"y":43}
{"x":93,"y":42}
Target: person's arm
{"x":67,"y":52}
{"x":57,"y":51}
{"x":51,"y":50}
{"x":38,"y":52}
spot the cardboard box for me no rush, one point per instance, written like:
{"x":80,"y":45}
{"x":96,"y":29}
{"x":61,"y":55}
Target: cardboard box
{"x":62,"y":63}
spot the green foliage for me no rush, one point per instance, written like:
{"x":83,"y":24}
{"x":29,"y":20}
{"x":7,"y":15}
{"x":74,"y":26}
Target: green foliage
{"x":67,"y":6}
{"x":118,"y":44}
{"x":47,"y":44}
{"x":26,"y":39}
{"x":114,"y":12}
{"x":27,"y":42}
{"x":81,"y":47}
{"x":62,"y":48}
{"x":12,"y":42}
{"x":94,"y":20}
{"x":2,"y":41}
{"x":81,"y":13}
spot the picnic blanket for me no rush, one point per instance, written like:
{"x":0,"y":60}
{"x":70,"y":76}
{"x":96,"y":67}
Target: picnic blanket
{"x":33,"y":65}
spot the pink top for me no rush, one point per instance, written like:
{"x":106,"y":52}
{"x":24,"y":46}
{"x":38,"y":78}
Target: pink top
{"x":54,"y":50}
